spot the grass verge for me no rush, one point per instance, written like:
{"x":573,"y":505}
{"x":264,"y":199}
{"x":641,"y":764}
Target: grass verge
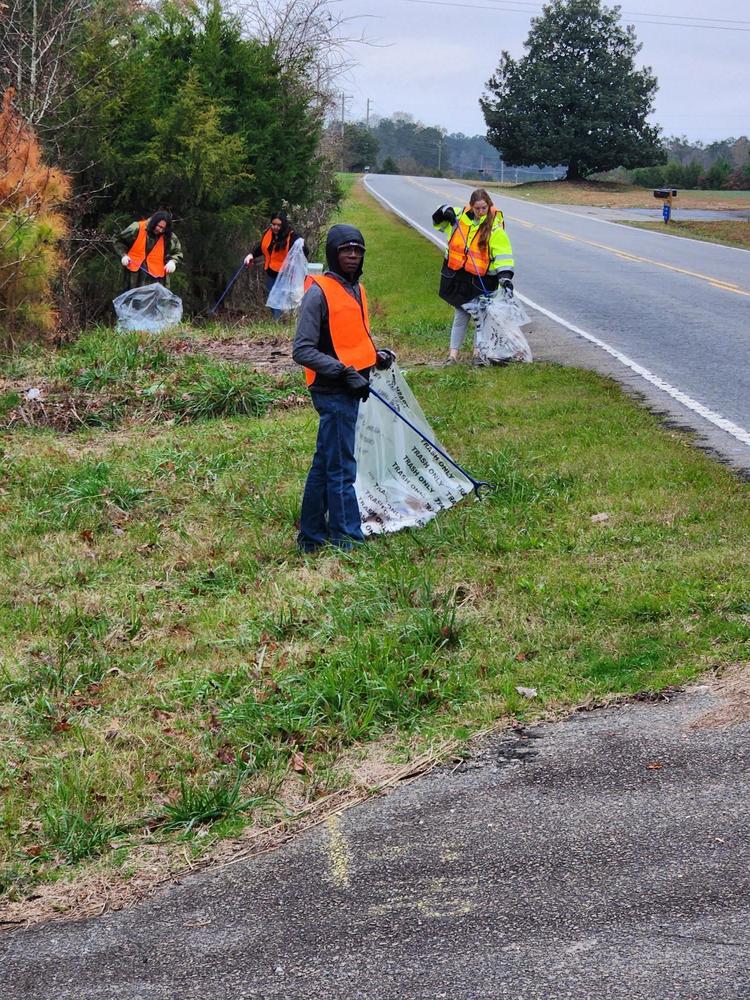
{"x":730,"y":234}
{"x":172,"y":670}
{"x":604,"y":194}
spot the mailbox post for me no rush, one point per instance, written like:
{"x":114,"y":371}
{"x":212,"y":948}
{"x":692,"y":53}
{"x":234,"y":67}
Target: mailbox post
{"x":666,"y":194}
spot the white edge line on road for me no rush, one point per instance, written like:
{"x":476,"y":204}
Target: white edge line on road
{"x":677,"y":394}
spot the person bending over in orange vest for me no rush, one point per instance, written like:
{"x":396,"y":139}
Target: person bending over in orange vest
{"x":274,"y":245}
{"x":478,"y":258}
{"x":333,"y":343}
{"x":149,"y":250}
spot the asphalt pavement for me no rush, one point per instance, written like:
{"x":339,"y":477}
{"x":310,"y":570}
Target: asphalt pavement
{"x":668,"y":316}
{"x":605,"y":857}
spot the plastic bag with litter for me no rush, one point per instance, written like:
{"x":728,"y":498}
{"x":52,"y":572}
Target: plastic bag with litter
{"x":401,"y":481}
{"x":289,"y":286}
{"x":151,"y":308}
{"x":498,"y":337}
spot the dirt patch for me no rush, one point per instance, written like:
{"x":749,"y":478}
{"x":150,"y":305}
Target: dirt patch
{"x":273,"y":357}
{"x":61,"y":408}
{"x":42,"y":402}
{"x":733,"y":690}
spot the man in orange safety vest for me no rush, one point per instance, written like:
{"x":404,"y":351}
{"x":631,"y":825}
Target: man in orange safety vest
{"x":333,"y":344}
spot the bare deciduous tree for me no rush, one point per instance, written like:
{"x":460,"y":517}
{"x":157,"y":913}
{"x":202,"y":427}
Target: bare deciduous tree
{"x":311,"y":38}
{"x":38,"y":42}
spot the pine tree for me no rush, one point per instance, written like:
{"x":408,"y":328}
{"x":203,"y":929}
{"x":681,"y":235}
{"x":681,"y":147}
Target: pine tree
{"x":31,"y":227}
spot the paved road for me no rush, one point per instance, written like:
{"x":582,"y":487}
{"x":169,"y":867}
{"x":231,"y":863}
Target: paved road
{"x":654,"y":214}
{"x":603,"y":858}
{"x":671,"y":311}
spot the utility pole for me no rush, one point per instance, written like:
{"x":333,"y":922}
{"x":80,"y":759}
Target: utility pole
{"x":367,"y":114}
{"x":344,"y":99}
{"x":440,"y":154}
{"x":502,"y":170}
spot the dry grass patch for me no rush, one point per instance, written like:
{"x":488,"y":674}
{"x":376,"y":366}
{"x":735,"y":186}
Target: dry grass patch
{"x":603,"y":194}
{"x":731,"y":233}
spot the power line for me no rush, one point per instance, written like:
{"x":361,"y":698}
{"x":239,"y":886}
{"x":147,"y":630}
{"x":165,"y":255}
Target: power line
{"x":637,"y":19}
{"x":639,"y":13}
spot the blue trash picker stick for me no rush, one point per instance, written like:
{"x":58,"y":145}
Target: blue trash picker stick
{"x":477,"y":484}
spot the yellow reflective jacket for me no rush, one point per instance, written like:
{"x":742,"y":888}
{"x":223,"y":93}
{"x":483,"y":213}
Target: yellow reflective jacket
{"x":463,"y":249}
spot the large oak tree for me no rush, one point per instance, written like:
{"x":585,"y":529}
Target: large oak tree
{"x":576,"y":97}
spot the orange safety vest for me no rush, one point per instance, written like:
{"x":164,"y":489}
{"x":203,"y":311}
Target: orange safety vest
{"x":273,"y":259}
{"x":466,"y":254}
{"x":349,"y":325}
{"x":155,"y":258}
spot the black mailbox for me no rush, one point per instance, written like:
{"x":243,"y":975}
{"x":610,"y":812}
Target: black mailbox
{"x":665,"y":193}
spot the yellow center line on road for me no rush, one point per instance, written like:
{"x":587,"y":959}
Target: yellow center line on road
{"x":725,"y":286}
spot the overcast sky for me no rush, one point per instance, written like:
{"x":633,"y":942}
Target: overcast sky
{"x":433,"y":58}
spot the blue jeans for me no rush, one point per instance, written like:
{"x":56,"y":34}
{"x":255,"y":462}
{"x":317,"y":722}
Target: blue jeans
{"x":271,"y":277}
{"x":330,"y":513}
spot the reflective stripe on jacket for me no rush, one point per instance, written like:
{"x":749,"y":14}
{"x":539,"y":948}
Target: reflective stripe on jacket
{"x":464,"y":251}
{"x":273,"y":259}
{"x":349,"y":324}
{"x":154,"y":260}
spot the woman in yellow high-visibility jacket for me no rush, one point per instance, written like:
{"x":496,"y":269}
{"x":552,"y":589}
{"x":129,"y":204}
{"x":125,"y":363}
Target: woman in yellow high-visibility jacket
{"x":478,"y":259}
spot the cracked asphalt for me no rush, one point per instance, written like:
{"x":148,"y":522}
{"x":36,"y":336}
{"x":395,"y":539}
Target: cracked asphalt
{"x":605,"y":856}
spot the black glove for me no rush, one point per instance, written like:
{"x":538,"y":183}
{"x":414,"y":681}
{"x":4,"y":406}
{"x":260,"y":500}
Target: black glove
{"x":356,"y":384}
{"x":384,"y":359}
{"x":449,"y":215}
{"x":506,"y":281}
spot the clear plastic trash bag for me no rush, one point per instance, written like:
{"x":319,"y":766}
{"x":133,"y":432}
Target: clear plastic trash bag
{"x":498,"y":337}
{"x":289,"y":286}
{"x":402,"y":482}
{"x":151,"y":308}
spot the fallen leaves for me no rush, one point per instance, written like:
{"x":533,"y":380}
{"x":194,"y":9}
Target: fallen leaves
{"x":300,"y":765}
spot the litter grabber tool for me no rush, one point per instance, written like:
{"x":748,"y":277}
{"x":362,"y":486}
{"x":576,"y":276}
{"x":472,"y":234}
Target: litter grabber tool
{"x":477,"y":484}
{"x":223,"y":295}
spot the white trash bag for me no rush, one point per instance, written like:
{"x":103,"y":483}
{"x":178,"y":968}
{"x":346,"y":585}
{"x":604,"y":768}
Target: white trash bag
{"x":401,"y":481}
{"x":289,"y":286}
{"x":151,"y":308}
{"x":498,"y":338}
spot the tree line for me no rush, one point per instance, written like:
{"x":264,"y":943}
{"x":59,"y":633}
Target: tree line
{"x":399,"y":144}
{"x":718,"y":166}
{"x":113,"y":109}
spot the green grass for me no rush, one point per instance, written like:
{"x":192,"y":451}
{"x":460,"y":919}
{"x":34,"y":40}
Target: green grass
{"x":401,"y":275}
{"x":167,"y":656}
{"x":732,"y":233}
{"x":103,"y":379}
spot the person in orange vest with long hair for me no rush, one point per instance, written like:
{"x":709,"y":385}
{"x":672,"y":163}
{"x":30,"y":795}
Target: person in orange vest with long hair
{"x":478,"y":258}
{"x":333,"y":344}
{"x":149,"y":250}
{"x":274,"y":246}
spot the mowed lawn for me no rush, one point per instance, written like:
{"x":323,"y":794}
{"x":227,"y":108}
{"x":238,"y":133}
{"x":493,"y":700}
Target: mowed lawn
{"x":172,"y":671}
{"x":731,"y":233}
{"x":606,"y":194}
